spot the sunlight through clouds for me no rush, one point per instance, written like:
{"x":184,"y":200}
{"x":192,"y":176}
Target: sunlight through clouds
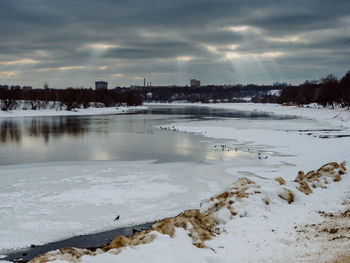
{"x":171,"y":42}
{"x":67,"y":68}
{"x":286,"y":39}
{"x":184,"y":58}
{"x":20,"y":62}
{"x":100,"y":46}
{"x":7,"y":74}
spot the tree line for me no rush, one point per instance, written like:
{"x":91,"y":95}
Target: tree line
{"x":203,"y":94}
{"x":69,"y":99}
{"x":328,"y":92}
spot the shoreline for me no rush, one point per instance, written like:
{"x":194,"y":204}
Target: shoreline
{"x":338,"y":116}
{"x":77,"y":112}
{"x":89,"y":241}
{"x":200,"y":228}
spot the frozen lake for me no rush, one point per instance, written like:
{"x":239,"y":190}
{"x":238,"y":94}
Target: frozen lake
{"x":125,"y":137}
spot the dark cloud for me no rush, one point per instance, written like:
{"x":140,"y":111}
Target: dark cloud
{"x":74,"y":42}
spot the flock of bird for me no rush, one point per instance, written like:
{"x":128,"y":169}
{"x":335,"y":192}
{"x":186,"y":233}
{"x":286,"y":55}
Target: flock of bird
{"x":224,"y":147}
{"x":221,"y":147}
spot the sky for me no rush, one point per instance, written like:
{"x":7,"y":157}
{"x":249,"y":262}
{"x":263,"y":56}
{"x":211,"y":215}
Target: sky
{"x":75,"y":43}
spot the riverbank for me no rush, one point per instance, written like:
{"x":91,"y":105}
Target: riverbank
{"x":75,"y":112}
{"x":259,"y":226}
{"x":217,"y":232}
{"x":339,"y":116}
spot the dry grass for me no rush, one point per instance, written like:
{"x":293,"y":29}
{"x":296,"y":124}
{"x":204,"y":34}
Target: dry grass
{"x":201,"y":226}
{"x":280,"y":180}
{"x":320,"y":177}
{"x":287,"y":195}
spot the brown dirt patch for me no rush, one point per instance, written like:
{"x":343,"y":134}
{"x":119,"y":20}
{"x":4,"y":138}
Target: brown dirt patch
{"x":329,"y":241}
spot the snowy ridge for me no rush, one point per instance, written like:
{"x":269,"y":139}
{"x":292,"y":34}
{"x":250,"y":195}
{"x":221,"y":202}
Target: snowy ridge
{"x":214,"y":228}
{"x":54,"y":109}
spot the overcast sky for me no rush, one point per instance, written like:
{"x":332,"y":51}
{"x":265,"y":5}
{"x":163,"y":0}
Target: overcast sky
{"x":74,"y":43}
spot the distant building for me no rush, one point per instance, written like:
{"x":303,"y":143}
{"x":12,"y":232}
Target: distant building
{"x":101,"y":85}
{"x":195,"y":83}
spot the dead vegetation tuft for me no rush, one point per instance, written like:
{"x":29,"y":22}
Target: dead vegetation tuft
{"x":287,"y":195}
{"x":201,"y":224}
{"x":320,"y":177}
{"x":280,"y":180}
{"x":69,"y":254}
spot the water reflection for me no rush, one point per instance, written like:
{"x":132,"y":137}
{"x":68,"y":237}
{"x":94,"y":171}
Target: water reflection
{"x":13,"y":130}
{"x":205,"y":112}
{"x":126,"y":137}
{"x":10,"y":131}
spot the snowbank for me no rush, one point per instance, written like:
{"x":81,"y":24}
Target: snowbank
{"x":54,"y":110}
{"x":213,"y":228}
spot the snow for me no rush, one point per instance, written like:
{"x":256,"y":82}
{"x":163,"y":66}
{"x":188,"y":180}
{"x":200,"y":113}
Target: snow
{"x":163,"y":249}
{"x":57,"y":112}
{"x":223,"y":216}
{"x":259,"y":232}
{"x":274,"y":92}
{"x":46,"y":202}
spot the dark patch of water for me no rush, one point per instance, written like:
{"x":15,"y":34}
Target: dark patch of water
{"x":92,"y":241}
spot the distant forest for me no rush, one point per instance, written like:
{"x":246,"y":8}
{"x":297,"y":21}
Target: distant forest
{"x":68,"y":99}
{"x":329,"y":91}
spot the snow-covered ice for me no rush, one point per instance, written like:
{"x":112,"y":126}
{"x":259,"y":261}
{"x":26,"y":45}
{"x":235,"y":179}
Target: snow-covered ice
{"x":47,"y":202}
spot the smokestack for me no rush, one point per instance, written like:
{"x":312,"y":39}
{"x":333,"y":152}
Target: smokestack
{"x":144,"y":82}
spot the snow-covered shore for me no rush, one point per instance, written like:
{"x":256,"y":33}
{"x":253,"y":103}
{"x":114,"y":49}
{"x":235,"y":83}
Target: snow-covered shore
{"x":339,"y":116}
{"x":76,"y":112}
{"x":264,"y":228}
